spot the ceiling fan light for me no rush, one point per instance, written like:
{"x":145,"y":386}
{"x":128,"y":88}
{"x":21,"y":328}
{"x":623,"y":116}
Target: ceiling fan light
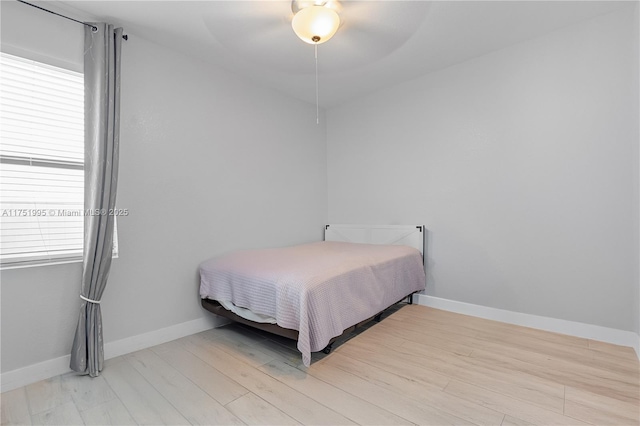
{"x":315,"y":24}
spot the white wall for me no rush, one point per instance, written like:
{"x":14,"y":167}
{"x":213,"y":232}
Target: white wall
{"x":636,"y":113}
{"x":520,"y":164}
{"x":45,"y":38}
{"x":208,"y":164}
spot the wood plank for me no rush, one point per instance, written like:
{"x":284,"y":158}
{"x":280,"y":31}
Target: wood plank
{"x":550,"y":361}
{"x":86,"y":391}
{"x":520,"y":385}
{"x":425,"y":323}
{"x":46,"y":394}
{"x":281,"y":351}
{"x":65,"y":414}
{"x":538,"y":341}
{"x":390,"y":338}
{"x":14,"y":407}
{"x":254,"y":410}
{"x":191,"y":401}
{"x":512,"y":421}
{"x":390,"y":401}
{"x":350,"y":406}
{"x":600,"y":381}
{"x":599,"y":409}
{"x":507,"y":405}
{"x":528,"y":388}
{"x":582,"y":356}
{"x":239,"y":345}
{"x":297,"y":406}
{"x":483,"y":325}
{"x":427,"y":336}
{"x":385,"y":359}
{"x":217,"y":385}
{"x":596,"y":417}
{"x":418,"y":391}
{"x":110,"y":413}
{"x":145,"y":404}
{"x":112,"y":361}
{"x":625,"y":352}
{"x":558,"y":369}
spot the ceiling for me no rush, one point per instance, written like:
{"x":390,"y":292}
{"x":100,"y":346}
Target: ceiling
{"x":379,"y":43}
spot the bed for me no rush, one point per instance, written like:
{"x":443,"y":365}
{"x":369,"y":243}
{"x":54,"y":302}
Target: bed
{"x":315,"y":292}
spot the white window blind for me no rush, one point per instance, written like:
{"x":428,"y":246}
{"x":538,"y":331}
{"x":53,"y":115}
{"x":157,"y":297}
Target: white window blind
{"x":41,"y":162}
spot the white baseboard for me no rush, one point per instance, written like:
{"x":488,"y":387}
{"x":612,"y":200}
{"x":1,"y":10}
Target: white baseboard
{"x":53,"y":367}
{"x":156,"y":337}
{"x":572,"y":328}
{"x":34,"y":373}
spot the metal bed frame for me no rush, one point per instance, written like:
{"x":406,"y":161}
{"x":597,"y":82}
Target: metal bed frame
{"x":215,"y":307}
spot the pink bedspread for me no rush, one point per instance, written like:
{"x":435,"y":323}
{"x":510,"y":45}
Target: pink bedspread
{"x":319,"y":289}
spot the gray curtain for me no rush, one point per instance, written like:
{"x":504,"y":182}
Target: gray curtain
{"x":102,"y":133}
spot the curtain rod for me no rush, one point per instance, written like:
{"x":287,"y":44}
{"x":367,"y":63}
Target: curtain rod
{"x":93,"y":27}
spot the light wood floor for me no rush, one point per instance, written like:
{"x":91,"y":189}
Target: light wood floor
{"x":418,"y":366}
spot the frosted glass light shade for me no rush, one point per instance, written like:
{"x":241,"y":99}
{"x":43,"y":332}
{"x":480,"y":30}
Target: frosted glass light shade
{"x":315,"y":24}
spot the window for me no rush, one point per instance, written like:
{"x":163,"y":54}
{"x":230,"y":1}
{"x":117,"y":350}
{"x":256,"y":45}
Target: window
{"x":41,"y":162}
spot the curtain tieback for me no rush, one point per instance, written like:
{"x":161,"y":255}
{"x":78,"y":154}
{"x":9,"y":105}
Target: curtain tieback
{"x":97,"y":302}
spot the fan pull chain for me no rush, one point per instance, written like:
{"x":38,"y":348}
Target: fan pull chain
{"x":317,"y":101}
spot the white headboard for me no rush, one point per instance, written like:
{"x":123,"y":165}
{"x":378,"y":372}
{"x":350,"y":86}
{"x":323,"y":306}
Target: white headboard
{"x":403,"y":235}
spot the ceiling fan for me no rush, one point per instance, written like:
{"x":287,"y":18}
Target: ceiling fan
{"x":315,"y":22}
{"x":264,"y":32}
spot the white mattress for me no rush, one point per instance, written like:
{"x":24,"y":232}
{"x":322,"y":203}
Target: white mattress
{"x":246,"y":313}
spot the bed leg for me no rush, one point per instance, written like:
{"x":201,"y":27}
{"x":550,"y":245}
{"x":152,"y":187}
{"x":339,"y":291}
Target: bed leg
{"x":327,"y":349}
{"x":378,"y":317}
{"x":410,"y":299}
